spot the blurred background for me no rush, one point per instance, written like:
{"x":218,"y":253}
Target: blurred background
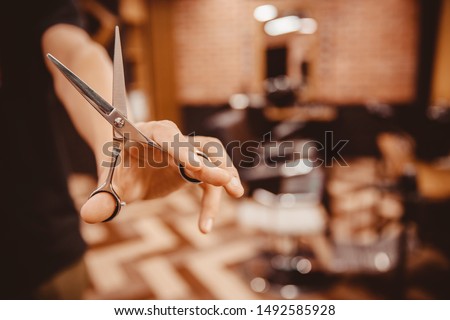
{"x":360,"y":87}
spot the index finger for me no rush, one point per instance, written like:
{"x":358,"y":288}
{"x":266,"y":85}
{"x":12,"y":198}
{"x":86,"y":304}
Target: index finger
{"x":169,"y":137}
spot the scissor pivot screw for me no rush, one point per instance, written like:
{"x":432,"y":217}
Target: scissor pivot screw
{"x":119,"y":122}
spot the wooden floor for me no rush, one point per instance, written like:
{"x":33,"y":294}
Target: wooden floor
{"x":154,"y":250}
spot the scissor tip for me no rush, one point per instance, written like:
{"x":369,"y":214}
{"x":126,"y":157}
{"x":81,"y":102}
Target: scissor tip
{"x":52,"y":59}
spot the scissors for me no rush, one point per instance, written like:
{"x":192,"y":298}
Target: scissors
{"x":116,"y":115}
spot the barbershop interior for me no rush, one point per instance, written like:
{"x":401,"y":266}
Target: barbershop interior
{"x":336,"y":115}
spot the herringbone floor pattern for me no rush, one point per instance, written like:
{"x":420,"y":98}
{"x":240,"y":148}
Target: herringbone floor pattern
{"x":154,"y":249}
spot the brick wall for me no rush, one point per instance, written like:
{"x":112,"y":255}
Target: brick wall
{"x":368,"y":51}
{"x":208,"y":49}
{"x":363,"y":50}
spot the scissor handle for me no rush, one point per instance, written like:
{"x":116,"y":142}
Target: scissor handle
{"x":107,"y":185}
{"x":107,"y":188}
{"x":183,"y":170}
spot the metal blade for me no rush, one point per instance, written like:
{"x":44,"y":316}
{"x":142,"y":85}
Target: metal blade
{"x":117,"y":119}
{"x":103,"y":107}
{"x":119,"y":90}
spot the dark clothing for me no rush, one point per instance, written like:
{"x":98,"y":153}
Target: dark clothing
{"x":39,"y":226}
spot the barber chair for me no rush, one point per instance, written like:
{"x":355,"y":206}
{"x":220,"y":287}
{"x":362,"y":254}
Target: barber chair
{"x":285,"y":206}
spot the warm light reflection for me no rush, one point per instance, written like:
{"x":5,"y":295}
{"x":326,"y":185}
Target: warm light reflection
{"x":259,"y":285}
{"x":382,"y":262}
{"x":283,"y":25}
{"x":239,"y":101}
{"x":289,"y":291}
{"x":296,"y":168}
{"x":265,"y":13}
{"x":309,"y":26}
{"x":304,"y":266}
{"x":290,"y":24}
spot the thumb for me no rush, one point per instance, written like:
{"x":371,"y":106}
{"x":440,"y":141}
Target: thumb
{"x":98,"y":208}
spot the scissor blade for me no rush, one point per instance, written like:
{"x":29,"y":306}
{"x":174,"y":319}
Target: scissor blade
{"x":127,"y":130}
{"x":100,"y":104}
{"x":119,"y":89}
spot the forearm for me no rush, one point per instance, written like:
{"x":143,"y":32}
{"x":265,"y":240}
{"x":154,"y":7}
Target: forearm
{"x":73,"y":47}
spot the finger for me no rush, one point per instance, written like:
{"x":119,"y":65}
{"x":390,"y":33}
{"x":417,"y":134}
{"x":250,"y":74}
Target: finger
{"x":98,"y":208}
{"x":167,"y":134}
{"x":210,"y":207}
{"x":221,"y":159}
{"x":234,"y":186}
{"x":169,"y":137}
{"x":212,"y":175}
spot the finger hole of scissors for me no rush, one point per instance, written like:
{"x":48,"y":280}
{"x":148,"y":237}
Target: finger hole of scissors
{"x":186,"y":177}
{"x":117,"y":203}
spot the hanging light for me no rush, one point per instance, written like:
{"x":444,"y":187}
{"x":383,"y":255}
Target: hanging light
{"x":290,"y":24}
{"x":309,"y":26}
{"x":283,"y":25}
{"x":265,"y":12}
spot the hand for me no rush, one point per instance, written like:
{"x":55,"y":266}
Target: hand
{"x":135,"y":179}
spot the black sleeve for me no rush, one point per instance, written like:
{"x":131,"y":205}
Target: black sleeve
{"x":58,"y":11}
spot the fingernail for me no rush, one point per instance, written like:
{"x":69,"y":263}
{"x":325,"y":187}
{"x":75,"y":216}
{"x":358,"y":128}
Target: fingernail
{"x":208,"y":225}
{"x":235,"y":182}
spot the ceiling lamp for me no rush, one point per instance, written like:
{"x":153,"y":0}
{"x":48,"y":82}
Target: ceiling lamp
{"x":265,"y":12}
{"x":283,"y":25}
